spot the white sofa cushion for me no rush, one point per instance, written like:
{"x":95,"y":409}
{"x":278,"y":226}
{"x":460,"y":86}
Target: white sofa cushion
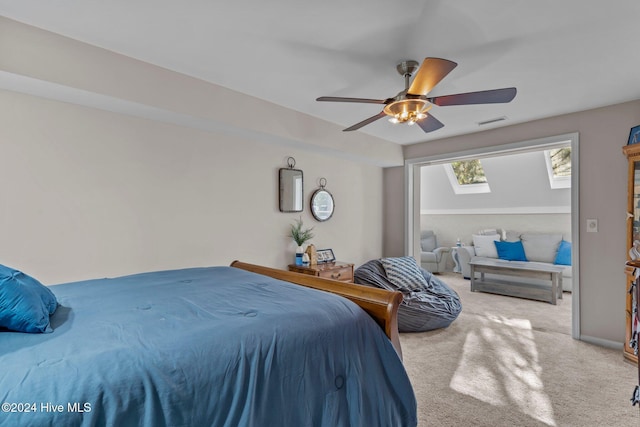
{"x":512,"y":236}
{"x":484,"y":245}
{"x":541,"y":247}
{"x":488,"y":232}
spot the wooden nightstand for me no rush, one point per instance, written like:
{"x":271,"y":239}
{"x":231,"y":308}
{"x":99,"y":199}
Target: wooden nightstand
{"x":332,"y":270}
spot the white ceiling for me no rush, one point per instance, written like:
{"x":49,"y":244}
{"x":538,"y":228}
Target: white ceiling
{"x":562,"y":56}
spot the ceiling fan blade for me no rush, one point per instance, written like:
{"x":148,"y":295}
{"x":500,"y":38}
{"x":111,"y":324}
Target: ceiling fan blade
{"x":429,"y":75}
{"x":430,"y":123}
{"x":362,"y":100}
{"x":494,"y":96}
{"x":365,"y":122}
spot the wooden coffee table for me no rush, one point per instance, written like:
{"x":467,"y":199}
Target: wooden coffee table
{"x":548,"y":292}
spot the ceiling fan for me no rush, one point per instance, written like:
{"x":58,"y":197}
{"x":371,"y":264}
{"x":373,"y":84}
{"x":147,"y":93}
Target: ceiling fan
{"x":411,"y":105}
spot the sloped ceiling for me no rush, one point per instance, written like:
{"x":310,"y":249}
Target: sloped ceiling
{"x":562,"y":56}
{"x":519,"y":184}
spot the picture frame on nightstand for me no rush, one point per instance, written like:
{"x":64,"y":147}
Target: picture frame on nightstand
{"x":325,"y":256}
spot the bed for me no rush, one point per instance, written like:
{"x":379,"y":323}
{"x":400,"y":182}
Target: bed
{"x":243,"y":345}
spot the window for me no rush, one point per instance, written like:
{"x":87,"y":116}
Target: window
{"x":467,"y":177}
{"x":559,"y":167}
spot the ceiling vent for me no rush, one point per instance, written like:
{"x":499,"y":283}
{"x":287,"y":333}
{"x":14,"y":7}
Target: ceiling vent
{"x":497,"y":119}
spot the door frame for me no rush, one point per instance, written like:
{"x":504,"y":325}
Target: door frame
{"x":412,"y":198}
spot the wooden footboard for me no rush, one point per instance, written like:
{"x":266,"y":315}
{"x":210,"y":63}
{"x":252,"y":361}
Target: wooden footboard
{"x":380,"y":304}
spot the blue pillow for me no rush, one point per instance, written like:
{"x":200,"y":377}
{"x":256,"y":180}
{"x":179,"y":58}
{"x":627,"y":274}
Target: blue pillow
{"x":563,"y":257}
{"x":25,"y":303}
{"x":510,"y":251}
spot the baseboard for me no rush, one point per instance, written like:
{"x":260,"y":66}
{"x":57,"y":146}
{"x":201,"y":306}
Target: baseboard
{"x":601,"y":342}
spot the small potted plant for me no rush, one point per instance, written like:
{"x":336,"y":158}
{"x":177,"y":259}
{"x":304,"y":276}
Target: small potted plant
{"x":300,"y":236}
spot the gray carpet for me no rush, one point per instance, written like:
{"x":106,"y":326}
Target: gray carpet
{"x":512,"y":362}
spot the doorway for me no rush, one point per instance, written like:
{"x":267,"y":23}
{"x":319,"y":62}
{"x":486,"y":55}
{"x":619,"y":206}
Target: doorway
{"x":413,"y":196}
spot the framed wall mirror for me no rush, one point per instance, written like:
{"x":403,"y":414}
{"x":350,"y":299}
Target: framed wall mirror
{"x":322,"y":203}
{"x":291,"y":188}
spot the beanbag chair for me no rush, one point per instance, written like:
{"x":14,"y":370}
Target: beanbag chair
{"x":428,"y":302}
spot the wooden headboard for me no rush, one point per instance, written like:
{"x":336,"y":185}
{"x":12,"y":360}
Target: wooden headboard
{"x":380,"y":304}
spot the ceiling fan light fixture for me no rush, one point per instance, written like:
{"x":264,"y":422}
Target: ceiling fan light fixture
{"x":407,"y":110}
{"x":411,"y":104}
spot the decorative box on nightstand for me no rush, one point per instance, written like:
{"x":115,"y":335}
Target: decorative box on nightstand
{"x":332,"y":270}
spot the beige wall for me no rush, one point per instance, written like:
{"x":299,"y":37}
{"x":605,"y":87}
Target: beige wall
{"x":88,"y":193}
{"x":394,"y":213}
{"x":114,"y":166}
{"x":393,"y":216}
{"x":52,"y":65}
{"x":603,"y":196}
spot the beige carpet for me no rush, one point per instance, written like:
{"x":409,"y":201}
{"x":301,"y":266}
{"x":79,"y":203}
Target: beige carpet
{"x":512,"y":362}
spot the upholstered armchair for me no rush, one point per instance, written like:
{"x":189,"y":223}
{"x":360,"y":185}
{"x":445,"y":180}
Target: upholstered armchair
{"x":432,"y":257}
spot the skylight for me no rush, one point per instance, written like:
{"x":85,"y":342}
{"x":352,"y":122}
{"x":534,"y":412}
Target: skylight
{"x":467,"y":177}
{"x":559,"y":167}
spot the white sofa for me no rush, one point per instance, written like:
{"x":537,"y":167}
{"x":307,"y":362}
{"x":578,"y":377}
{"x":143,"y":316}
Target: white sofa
{"x":538,"y":247}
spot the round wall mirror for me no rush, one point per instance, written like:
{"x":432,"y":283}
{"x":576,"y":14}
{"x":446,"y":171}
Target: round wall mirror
{"x":322,"y":204}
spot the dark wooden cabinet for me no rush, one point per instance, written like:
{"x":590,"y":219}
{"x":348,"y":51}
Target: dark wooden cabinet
{"x":633,"y":233}
{"x":629,"y":352}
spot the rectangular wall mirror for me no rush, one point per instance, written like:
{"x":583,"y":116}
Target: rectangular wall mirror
{"x":291,"y":191}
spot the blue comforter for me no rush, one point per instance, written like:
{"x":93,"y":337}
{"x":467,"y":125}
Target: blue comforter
{"x":212,"y":346}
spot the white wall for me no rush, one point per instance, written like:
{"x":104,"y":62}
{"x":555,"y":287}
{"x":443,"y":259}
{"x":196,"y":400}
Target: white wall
{"x":88,"y":193}
{"x":49,"y":65}
{"x":114,"y":166}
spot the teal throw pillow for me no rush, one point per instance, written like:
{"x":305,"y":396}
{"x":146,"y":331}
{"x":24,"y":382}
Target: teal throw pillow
{"x":563,"y":257}
{"x":25,"y":303}
{"x":511,"y":251}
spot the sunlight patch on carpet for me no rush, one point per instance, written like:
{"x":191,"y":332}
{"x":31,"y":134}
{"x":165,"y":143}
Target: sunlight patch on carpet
{"x":500,"y":366}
